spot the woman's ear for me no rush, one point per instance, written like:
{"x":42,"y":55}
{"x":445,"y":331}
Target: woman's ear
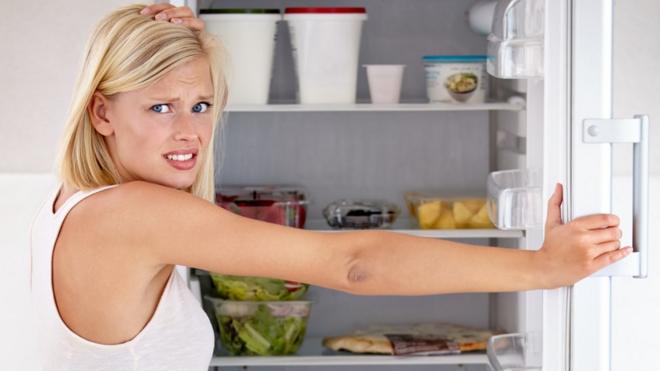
{"x":98,"y":109}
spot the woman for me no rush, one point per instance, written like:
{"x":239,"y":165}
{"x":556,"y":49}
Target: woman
{"x":137,"y":198}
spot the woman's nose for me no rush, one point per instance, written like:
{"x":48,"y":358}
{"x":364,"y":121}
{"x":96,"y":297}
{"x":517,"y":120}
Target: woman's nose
{"x":184,"y":128}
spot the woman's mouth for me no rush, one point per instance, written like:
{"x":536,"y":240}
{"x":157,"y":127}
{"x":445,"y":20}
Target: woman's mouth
{"x":181,"y":160}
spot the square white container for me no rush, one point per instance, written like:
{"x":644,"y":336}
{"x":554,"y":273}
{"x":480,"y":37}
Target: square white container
{"x":515,"y":199}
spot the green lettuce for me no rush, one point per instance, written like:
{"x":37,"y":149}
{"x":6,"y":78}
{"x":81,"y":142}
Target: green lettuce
{"x":262,"y":333}
{"x":256,"y":288}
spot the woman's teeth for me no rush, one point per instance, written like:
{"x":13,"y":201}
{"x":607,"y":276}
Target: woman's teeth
{"x":185,"y":157}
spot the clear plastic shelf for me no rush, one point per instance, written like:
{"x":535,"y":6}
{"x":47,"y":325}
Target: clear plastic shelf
{"x":515,"y":352}
{"x":515,"y":44}
{"x":515,"y":199}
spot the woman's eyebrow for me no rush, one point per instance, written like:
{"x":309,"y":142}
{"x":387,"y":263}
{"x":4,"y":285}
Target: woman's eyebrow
{"x":171,"y":99}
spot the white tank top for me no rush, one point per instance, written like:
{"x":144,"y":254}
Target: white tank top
{"x":178,"y":336}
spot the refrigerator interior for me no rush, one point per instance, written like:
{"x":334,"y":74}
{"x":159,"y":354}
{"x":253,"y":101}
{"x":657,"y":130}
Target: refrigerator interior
{"x":381,"y":155}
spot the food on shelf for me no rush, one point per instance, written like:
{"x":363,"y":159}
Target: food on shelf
{"x":282,"y":205}
{"x":361,"y":214}
{"x":456,"y":78}
{"x":436,"y":212}
{"x":423,"y":338}
{"x":257,"y":288}
{"x":275,"y":204}
{"x":261,"y":328}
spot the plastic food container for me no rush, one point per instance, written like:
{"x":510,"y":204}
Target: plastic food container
{"x":275,"y":204}
{"x":326,"y":45}
{"x":249,"y":37}
{"x":385,"y":82}
{"x":261,"y":328}
{"x":361,"y":214}
{"x":515,"y":199}
{"x":456,"y":78}
{"x":257,"y":288}
{"x":438,"y":212}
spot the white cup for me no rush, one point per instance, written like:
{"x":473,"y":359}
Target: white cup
{"x":385,"y":82}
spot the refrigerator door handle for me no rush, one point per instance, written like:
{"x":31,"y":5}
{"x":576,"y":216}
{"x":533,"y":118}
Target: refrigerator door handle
{"x":634,"y":131}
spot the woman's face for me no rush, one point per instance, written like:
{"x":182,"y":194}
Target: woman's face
{"x":159,"y":133}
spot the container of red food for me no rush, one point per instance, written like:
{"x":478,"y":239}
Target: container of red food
{"x":283,"y":205}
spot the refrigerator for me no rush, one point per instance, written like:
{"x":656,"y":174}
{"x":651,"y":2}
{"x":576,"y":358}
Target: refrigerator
{"x":551,"y":67}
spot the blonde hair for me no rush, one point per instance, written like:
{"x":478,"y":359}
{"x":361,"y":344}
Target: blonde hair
{"x":129,"y":51}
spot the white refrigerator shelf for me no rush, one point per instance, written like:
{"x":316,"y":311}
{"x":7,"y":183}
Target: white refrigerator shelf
{"x":407,"y":226}
{"x":369,"y":107}
{"x":312,"y":353}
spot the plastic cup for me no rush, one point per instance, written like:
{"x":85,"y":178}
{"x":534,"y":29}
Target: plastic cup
{"x":326,"y":45}
{"x":249,"y":38}
{"x":385,"y":82}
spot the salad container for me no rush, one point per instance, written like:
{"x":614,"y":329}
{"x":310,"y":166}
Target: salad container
{"x":249,"y":328}
{"x":257,"y":288}
{"x":433,"y":211}
{"x":274,"y":204}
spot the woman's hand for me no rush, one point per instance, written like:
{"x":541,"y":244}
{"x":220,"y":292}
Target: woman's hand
{"x":169,"y":13}
{"x":575,"y":250}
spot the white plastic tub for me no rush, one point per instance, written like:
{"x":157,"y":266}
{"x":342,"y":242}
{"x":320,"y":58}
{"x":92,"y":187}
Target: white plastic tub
{"x":456,"y":78}
{"x":326,"y":45}
{"x":249,"y":37}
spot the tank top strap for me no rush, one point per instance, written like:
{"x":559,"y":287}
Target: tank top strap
{"x":75,"y":199}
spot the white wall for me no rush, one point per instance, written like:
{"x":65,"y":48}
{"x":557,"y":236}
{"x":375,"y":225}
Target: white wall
{"x":635,"y":77}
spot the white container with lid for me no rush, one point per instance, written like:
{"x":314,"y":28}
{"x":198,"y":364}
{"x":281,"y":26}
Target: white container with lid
{"x":249,"y":37}
{"x":456,"y":78}
{"x":326,"y":45}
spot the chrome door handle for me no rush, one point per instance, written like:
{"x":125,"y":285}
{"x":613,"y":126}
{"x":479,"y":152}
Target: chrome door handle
{"x":634,"y":131}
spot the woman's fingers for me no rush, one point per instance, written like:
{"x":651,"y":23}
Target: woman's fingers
{"x":598,"y":236}
{"x":596,"y":221}
{"x":155,"y":8}
{"x":608,"y":258}
{"x":606,"y":247}
{"x":169,"y":13}
{"x":554,"y":207}
{"x":192,"y":23}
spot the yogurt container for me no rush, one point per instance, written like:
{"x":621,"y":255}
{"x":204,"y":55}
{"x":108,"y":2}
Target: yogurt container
{"x":456,"y":78}
{"x":326,"y":48}
{"x":249,"y":38}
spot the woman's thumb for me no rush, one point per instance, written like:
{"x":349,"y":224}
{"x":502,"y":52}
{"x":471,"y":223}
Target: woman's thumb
{"x":554,"y":207}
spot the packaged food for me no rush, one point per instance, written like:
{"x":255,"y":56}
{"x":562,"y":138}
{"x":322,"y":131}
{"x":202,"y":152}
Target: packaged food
{"x":275,"y":204}
{"x":437,"y":212}
{"x":361,"y":214}
{"x":261,"y":328}
{"x":409,"y":339}
{"x":456,"y":78}
{"x":257,"y":288}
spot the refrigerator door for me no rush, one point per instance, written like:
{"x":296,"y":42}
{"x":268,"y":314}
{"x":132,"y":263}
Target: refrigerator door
{"x":592,"y":130}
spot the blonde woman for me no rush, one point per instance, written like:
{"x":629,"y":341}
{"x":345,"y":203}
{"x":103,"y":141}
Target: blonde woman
{"x":137,"y":198}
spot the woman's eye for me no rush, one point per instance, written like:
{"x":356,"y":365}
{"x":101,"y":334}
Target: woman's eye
{"x":161,"y":108}
{"x":200,"y":107}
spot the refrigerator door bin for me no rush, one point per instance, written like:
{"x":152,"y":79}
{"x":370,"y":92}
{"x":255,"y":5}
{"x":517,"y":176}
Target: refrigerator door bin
{"x":521,"y":351}
{"x":515,"y":199}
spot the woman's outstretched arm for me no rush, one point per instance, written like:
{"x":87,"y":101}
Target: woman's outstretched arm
{"x":158,"y":226}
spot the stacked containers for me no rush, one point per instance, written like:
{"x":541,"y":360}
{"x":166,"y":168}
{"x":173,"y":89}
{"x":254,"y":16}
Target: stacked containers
{"x":326,"y":45}
{"x":249,"y":37}
{"x":258,"y":315}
